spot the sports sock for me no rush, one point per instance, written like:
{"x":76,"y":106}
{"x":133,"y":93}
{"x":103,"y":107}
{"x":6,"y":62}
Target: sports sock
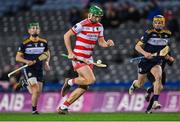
{"x":150,"y":90}
{"x":156,"y":97}
{"x":34,"y":108}
{"x":71,"y":82}
{"x":65,"y":105}
{"x":134,"y":86}
{"x":150,"y":104}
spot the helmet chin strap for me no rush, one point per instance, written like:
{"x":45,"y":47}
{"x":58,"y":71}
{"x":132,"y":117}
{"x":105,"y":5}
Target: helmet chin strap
{"x":35,"y":35}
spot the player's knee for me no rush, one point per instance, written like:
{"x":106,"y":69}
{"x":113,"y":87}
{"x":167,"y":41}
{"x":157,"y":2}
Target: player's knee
{"x":90,"y":80}
{"x":158,"y":78}
{"x":84,"y":87}
{"x":158,"y":84}
{"x":36,"y":92}
{"x":93,"y":79}
{"x":36,"y":89}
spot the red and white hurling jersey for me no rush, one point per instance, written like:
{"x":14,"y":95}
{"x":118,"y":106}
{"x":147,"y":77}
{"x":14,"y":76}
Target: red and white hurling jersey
{"x":87,"y":34}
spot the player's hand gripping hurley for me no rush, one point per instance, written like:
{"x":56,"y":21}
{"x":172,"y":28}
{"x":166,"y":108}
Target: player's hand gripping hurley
{"x":98,"y":64}
{"x":163,"y":52}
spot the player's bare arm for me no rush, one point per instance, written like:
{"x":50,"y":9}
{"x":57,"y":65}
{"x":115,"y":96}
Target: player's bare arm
{"x":46,"y":65}
{"x":140,"y":50}
{"x":19,"y":58}
{"x":67,"y":41}
{"x":104,"y":43}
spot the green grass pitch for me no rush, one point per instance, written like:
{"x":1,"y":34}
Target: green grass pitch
{"x":90,"y":117}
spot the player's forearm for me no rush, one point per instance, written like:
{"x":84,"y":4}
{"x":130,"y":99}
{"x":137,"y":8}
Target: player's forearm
{"x":49,"y":55}
{"x":140,"y":50}
{"x":21,"y":59}
{"x":67,"y":42}
{"x":103,"y":43}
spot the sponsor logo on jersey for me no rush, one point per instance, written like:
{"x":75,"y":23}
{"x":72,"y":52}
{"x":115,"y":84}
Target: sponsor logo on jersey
{"x":165,"y":36}
{"x":29,"y":45}
{"x":92,"y":36}
{"x":34,"y":50}
{"x":154,"y":35}
{"x":41,"y":44}
{"x":158,"y":41}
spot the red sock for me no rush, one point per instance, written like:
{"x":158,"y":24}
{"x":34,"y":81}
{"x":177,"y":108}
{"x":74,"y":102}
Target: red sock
{"x":66,"y":103}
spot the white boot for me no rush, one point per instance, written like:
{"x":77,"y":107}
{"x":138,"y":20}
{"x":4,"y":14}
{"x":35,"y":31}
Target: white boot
{"x":131,"y":89}
{"x":156,"y":105}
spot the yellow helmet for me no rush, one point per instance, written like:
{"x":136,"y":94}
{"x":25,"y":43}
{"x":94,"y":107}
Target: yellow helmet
{"x":159,"y":19}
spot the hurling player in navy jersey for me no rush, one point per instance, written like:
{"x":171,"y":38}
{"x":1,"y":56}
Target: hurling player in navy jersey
{"x":153,"y":41}
{"x":34,"y":52}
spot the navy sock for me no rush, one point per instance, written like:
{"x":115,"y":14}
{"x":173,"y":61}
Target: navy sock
{"x":156,"y":97}
{"x":150,"y":104}
{"x":135,"y":87}
{"x":34,"y":108}
{"x":151,"y":89}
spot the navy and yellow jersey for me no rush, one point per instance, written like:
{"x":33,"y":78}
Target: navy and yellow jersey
{"x":154,"y":41}
{"x":32,"y":49}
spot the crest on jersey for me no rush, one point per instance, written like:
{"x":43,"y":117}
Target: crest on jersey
{"x":140,"y":69}
{"x":75,"y":26}
{"x":19,"y":48}
{"x":96,"y":29}
{"x":35,"y":44}
{"x":29,"y":74}
{"x":41,"y":44}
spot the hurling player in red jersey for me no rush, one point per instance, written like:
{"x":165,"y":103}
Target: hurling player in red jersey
{"x":88,"y":32}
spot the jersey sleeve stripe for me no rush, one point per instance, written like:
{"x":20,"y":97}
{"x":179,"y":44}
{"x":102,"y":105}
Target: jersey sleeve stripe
{"x":73,"y":31}
{"x":21,"y":53}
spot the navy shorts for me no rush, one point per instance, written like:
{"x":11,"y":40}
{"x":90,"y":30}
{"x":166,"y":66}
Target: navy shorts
{"x":146,"y":66}
{"x":31,"y":72}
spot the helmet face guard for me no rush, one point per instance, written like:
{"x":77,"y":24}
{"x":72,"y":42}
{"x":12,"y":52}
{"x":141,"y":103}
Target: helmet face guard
{"x":158,"y":22}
